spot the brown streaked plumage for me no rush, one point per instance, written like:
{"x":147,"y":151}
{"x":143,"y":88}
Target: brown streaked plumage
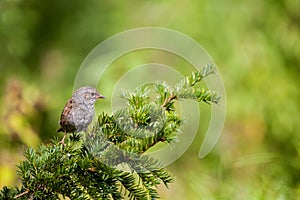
{"x":79,"y":111}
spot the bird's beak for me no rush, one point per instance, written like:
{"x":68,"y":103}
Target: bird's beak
{"x":100,"y":96}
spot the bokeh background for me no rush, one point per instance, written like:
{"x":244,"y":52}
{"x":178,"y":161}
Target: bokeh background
{"x":255,"y":44}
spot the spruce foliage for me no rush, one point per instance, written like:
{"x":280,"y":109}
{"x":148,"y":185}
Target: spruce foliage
{"x":91,"y":165}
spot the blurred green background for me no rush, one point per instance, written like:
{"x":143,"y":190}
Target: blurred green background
{"x":255,"y":44}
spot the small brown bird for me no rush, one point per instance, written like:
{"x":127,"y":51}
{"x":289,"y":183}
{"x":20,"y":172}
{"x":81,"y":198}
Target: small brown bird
{"x":79,"y":111}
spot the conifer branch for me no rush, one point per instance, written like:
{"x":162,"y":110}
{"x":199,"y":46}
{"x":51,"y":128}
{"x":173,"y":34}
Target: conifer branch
{"x":87,"y":167}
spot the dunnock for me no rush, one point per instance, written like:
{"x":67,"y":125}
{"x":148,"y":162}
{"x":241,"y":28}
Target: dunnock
{"x":79,"y":111}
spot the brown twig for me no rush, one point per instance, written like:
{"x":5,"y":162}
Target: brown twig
{"x":23,"y":193}
{"x":168,"y":100}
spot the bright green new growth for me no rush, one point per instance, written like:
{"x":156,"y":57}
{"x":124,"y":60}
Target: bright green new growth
{"x":89,"y":167}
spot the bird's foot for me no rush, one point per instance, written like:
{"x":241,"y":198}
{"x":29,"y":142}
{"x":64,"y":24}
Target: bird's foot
{"x":63,"y":141}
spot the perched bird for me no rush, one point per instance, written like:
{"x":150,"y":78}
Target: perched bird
{"x":79,"y":111}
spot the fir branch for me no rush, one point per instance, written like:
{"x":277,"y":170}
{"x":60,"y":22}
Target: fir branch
{"x":199,"y":94}
{"x":185,"y":89}
{"x":86,"y":168}
{"x":196,"y":77}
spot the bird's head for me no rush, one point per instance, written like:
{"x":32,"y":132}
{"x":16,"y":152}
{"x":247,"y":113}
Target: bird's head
{"x":88,"y":93}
